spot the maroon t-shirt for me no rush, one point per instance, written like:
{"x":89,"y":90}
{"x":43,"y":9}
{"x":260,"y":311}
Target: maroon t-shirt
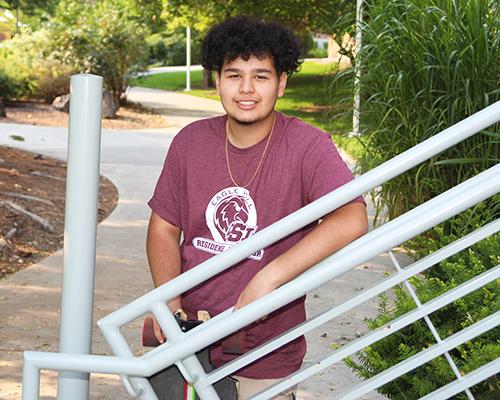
{"x":195,"y":193}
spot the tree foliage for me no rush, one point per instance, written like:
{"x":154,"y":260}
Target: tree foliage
{"x":105,"y":37}
{"x":30,"y":12}
{"x":300,"y":15}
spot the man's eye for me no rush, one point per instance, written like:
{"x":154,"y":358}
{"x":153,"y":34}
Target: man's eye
{"x":261,"y":77}
{"x":233,"y":76}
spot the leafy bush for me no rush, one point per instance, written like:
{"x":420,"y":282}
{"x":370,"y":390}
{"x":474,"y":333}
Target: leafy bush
{"x":52,"y":79}
{"x":16,"y":62}
{"x":30,"y":59}
{"x":101,"y":38}
{"x":448,"y":320}
{"x":10,"y":85}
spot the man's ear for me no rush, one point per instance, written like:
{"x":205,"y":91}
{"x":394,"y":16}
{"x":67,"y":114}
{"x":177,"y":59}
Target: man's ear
{"x":283,"y":79}
{"x":217,"y":82}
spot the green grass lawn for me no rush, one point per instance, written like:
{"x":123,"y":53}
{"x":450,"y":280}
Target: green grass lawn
{"x":306,"y":97}
{"x":169,"y":80}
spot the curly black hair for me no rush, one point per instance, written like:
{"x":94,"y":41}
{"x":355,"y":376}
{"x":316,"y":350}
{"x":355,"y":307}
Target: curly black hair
{"x":244,"y":37}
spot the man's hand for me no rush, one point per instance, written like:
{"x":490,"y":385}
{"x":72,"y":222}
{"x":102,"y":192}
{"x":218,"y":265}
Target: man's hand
{"x":158,"y":332}
{"x":337,"y":229}
{"x":258,"y":287}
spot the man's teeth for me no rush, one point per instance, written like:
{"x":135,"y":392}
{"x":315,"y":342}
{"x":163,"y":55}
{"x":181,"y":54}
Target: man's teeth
{"x":246,"y":103}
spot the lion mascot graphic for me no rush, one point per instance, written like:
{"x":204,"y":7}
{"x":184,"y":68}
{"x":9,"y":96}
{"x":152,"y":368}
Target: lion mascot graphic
{"x":231,"y":219}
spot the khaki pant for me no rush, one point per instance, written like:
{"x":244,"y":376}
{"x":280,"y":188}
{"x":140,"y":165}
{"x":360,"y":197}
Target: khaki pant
{"x":248,"y":387}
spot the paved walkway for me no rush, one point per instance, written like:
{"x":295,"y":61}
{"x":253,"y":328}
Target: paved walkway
{"x":29,"y":299}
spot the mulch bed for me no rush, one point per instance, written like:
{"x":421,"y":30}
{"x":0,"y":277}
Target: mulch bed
{"x":32,"y":201}
{"x":129,"y":116}
{"x":33,"y":186}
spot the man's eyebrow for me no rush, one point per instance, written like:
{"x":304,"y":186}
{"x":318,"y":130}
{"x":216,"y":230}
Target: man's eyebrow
{"x":257,"y":70}
{"x":263,"y":71}
{"x":231,"y":70}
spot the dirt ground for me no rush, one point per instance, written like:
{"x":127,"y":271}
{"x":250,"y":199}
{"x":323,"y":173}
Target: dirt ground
{"x":128,"y":117}
{"x":32,"y":199}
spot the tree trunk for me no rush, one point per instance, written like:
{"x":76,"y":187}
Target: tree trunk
{"x":110,"y":104}
{"x":2,"y":110}
{"x":208,"y":82}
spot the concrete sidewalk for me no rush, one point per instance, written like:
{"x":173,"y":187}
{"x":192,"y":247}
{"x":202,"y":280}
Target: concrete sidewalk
{"x":29,"y":299}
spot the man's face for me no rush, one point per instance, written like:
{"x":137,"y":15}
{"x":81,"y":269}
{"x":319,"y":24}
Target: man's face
{"x":249,"y":89}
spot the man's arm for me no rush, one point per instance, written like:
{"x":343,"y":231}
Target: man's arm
{"x":338,"y":229}
{"x":164,"y":257}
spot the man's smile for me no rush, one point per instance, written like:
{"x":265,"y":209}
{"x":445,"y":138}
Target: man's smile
{"x":246,"y":104}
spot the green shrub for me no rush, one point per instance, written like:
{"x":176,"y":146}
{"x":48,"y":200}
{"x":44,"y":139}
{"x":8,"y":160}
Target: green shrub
{"x":448,"y":320}
{"x":30,"y":58}
{"x":103,"y":38}
{"x":169,"y":48}
{"x":15,"y":64}
{"x":9,"y":84}
{"x":52,"y":79}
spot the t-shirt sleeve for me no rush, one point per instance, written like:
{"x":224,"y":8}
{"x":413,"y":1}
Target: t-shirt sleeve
{"x":324,"y":170}
{"x":166,"y":197}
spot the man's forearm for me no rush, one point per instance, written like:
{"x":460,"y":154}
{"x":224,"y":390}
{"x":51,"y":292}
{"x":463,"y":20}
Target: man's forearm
{"x":164,"y":254}
{"x":334,"y":232}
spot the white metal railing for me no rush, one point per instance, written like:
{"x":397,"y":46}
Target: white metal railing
{"x":180,"y":347}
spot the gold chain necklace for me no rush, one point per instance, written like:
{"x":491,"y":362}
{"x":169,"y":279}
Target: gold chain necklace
{"x":261,"y":158}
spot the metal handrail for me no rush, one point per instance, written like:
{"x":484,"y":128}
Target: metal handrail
{"x":365,"y":295}
{"x":182,"y":345}
{"x":313,"y":211}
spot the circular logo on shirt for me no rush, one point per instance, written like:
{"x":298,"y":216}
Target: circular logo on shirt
{"x":231,"y":215}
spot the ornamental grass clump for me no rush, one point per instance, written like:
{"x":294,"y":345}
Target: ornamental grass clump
{"x":425,"y":66}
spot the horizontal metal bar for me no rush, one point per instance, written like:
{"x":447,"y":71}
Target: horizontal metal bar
{"x":386,"y":330}
{"x":425,"y":356}
{"x":310,"y":213}
{"x":467,"y":381}
{"x":313,"y":323}
{"x":86,"y":363}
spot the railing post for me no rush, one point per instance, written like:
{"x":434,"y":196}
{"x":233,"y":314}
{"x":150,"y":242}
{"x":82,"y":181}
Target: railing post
{"x":82,"y":185}
{"x":357,"y":69}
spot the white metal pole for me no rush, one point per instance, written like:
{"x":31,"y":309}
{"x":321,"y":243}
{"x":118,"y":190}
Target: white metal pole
{"x":188,"y":59}
{"x":357,"y":69}
{"x":82,"y":185}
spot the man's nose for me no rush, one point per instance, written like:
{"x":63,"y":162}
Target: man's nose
{"x":246,"y":85}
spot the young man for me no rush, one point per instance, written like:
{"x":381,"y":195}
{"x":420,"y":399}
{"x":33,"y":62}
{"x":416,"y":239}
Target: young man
{"x":227,"y":177}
